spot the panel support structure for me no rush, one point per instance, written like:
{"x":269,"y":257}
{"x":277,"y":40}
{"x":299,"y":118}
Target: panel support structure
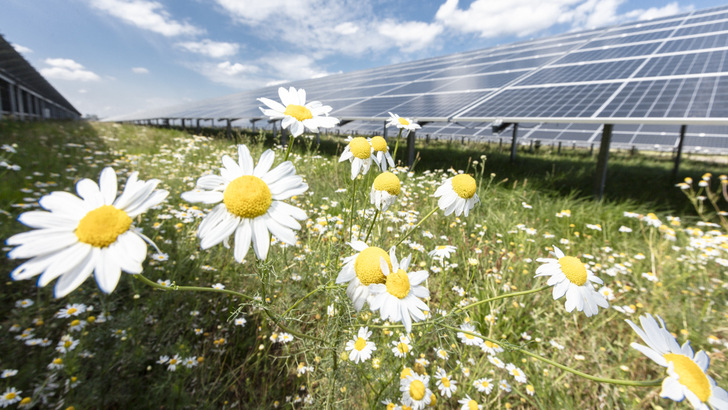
{"x":384,"y":131}
{"x":601,"y":174}
{"x":410,"y":148}
{"x":675,"y":169}
{"x":513,"y":143}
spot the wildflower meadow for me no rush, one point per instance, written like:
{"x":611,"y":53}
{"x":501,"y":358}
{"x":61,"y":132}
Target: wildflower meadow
{"x":156,"y":268}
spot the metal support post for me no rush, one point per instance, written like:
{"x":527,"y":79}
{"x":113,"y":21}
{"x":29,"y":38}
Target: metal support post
{"x":410,"y":148}
{"x":513,"y":143}
{"x":384,"y":130}
{"x":601,"y":174}
{"x":558,"y":151}
{"x":675,"y":169}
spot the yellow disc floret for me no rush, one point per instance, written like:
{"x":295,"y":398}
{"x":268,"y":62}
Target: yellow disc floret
{"x":473,"y":405}
{"x":102,"y":226}
{"x":367,"y":266}
{"x":398,"y":284}
{"x":574,"y":269}
{"x":387,"y":181}
{"x":379,"y":144}
{"x":464,"y":185}
{"x":360,"y":148}
{"x":690,"y":375}
{"x":445,"y":381}
{"x":247,"y":197}
{"x":360,"y":344}
{"x":403,"y":121}
{"x":417,"y":390}
{"x":298,"y":112}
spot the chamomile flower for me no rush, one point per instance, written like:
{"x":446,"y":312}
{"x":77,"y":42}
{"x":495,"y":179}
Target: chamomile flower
{"x":490,"y":347}
{"x":402,"y":122}
{"x":445,"y":384}
{"x":66,"y":344}
{"x":360,"y":347}
{"x":495,"y":361}
{"x":468,"y":336}
{"x":503,"y":385}
{"x":251,"y":205}
{"x":380,"y":153}
{"x":296,"y":114}
{"x":74,"y":309}
{"x":457,"y":194}
{"x":570,"y":277}
{"x":484,"y":385}
{"x":441,"y":353}
{"x":415,"y":392}
{"x":469,"y":404}
{"x":385,"y":189}
{"x":686,"y":370}
{"x":10,"y":396}
{"x":361,"y":270}
{"x":516,"y":373}
{"x":399,"y":298}
{"x":442,"y":251}
{"x":90,"y":234}
{"x":359,"y":153}
{"x":402,"y":347}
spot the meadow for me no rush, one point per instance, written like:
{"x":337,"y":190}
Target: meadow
{"x":197,"y":329}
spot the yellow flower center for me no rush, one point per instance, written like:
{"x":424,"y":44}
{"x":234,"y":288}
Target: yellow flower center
{"x":574,"y":270}
{"x":491,"y":345}
{"x":360,"y":147}
{"x":473,"y":405}
{"x":247,"y":197}
{"x":389,"y":182}
{"x":405,"y":372}
{"x":25,"y":401}
{"x":403,"y":121}
{"x":445,"y":381}
{"x":464,"y":186}
{"x":691,"y":376}
{"x":67,"y":344}
{"x":76,"y":322}
{"x":360,"y":344}
{"x":10,"y":396}
{"x":172,"y":361}
{"x":469,"y":336}
{"x":298,"y":112}
{"x":379,"y":144}
{"x":72,"y":311}
{"x":57,"y":360}
{"x":398,"y":284}
{"x":417,"y":390}
{"x":403,"y":348}
{"x":485,"y":384}
{"x":102,"y":226}
{"x":367,"y":266}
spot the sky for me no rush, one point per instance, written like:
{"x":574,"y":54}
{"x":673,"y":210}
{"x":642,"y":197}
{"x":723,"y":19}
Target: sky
{"x":114,"y":57}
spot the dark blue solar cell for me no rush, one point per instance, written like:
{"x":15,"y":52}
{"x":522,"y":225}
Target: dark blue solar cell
{"x":583,"y":72}
{"x":369,"y":108}
{"x":707,"y":142}
{"x":437,"y":105}
{"x":480,"y":82}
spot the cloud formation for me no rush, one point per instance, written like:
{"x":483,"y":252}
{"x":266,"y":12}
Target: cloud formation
{"x":67,"y":69}
{"x":139,"y":70}
{"x":214,"y":49}
{"x":148,"y":15}
{"x":21,"y":49}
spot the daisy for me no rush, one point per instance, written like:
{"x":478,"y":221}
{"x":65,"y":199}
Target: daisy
{"x":442,"y":252}
{"x":469,"y":404}
{"x":240,"y":321}
{"x":686,"y":370}
{"x":490,"y":347}
{"x":570,"y":277}
{"x":252,"y":203}
{"x":467,"y":338}
{"x":359,"y":152}
{"x":457,"y":194}
{"x":360,"y":347}
{"x":8,"y":373}
{"x":415,"y":392}
{"x":445,"y":384}
{"x":402,"y":347}
{"x":66,"y":344}
{"x":296,"y":114}
{"x":516,"y":373}
{"x":441,"y":353}
{"x":401,"y":122}
{"x":74,"y":309}
{"x":173,"y":362}
{"x":530,"y":390}
{"x":10,"y":396}
{"x":380,"y":153}
{"x":484,"y":385}
{"x":385,"y":189}
{"x":503,"y":385}
{"x":90,"y":234}
{"x":495,"y":361}
{"x":361,"y":270}
{"x":399,"y":298}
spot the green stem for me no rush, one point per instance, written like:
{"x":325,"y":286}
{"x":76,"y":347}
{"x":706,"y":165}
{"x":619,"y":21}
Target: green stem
{"x":504,"y":296}
{"x":416,"y":226}
{"x":371,"y":226}
{"x":351,"y":208}
{"x":290,"y":145}
{"x":396,"y":145}
{"x":563,"y":367}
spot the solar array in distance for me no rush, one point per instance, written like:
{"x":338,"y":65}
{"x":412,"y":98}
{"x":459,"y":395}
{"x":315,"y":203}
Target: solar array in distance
{"x":648,"y":78}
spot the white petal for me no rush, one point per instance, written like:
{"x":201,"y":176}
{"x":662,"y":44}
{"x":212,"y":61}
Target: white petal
{"x":275,"y":105}
{"x":108,"y":185}
{"x":43,"y":245}
{"x":296,"y":130}
{"x":261,"y":239}
{"x":32,"y":267}
{"x":64,"y":262}
{"x":66,"y":204}
{"x":89,"y":191}
{"x":42,"y":219}
{"x":220,"y":232}
{"x":264,"y":163}
{"x":243,"y":235}
{"x":245,"y":160}
{"x":283,"y":234}
{"x":108,"y":271}
{"x":70,"y":281}
{"x":205,"y":197}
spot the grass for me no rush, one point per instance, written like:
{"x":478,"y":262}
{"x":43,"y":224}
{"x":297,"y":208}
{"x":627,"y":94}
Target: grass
{"x":497,"y":247}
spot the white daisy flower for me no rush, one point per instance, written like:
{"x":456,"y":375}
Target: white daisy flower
{"x":445,"y":384}
{"x":173,"y":363}
{"x":484,"y":385}
{"x":457,"y":194}
{"x":296,"y":114}
{"x":415,"y":392}
{"x":469,"y":404}
{"x":360,"y":347}
{"x":66,"y":344}
{"x":380,"y":153}
{"x":385,"y":189}
{"x":361,"y":270}
{"x":74,"y":309}
{"x":442,"y":251}
{"x":570,"y":277}
{"x":402,"y":122}
{"x":503,"y":385}
{"x":490,"y":347}
{"x":441,"y":353}
{"x":252,"y":205}
{"x":90,"y":234}
{"x":359,"y":152}
{"x":468,"y":338}
{"x":687,"y":371}
{"x":402,"y":347}
{"x":399,"y":298}
{"x":495,"y":361}
{"x":10,"y":396}
{"x":516,"y":373}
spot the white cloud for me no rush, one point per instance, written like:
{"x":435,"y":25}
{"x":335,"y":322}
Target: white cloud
{"x":411,"y":35}
{"x":139,"y":70}
{"x":215,"y":49}
{"x":67,"y":69}
{"x":233,"y":69}
{"x":148,"y":15}
{"x":21,"y":49}
{"x":656,"y":13}
{"x":346,"y":28}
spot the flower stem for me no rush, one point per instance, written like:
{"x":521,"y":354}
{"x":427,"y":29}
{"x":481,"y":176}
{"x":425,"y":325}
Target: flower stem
{"x":290,"y":145}
{"x":416,"y":226}
{"x":563,"y":367}
{"x":396,"y":145}
{"x":371,"y":226}
{"x":351,"y":208}
{"x":504,"y":296}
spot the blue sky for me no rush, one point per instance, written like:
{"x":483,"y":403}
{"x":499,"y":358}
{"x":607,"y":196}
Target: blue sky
{"x":111,"y":57}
